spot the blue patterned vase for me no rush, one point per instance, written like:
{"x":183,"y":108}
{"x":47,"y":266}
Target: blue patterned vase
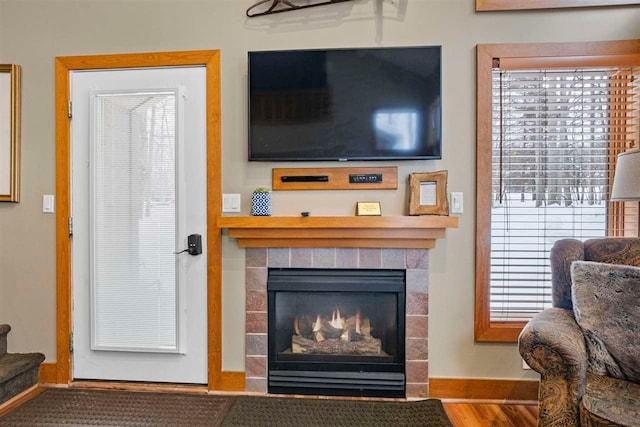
{"x":261,"y":204}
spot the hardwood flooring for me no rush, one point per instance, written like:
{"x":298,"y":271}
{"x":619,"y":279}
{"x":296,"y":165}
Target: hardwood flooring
{"x":491,"y":414}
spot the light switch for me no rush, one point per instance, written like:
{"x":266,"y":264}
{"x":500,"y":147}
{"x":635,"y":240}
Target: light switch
{"x":48,"y":203}
{"x":231,"y":203}
{"x":457,"y":202}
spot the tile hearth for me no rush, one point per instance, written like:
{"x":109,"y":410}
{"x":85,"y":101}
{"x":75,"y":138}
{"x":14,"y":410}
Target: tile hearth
{"x":416,"y":263}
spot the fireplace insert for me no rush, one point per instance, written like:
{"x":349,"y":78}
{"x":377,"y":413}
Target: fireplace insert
{"x":336,"y":332}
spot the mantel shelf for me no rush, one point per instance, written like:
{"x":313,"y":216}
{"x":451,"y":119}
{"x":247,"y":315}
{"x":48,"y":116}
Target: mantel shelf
{"x":338,"y":231}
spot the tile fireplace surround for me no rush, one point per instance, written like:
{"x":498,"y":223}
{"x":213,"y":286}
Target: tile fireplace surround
{"x":416,"y":263}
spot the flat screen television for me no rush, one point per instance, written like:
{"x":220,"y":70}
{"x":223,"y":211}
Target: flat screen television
{"x":345,"y":104}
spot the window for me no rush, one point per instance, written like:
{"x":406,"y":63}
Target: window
{"x":549,"y":131}
{"x":488,"y":5}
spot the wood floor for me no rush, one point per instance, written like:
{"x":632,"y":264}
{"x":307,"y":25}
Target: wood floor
{"x":491,"y":414}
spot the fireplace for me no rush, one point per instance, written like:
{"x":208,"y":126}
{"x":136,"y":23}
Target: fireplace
{"x":336,"y":332}
{"x":414,"y":263}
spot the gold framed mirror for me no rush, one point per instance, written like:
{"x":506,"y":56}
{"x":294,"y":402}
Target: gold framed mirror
{"x":9,"y":133}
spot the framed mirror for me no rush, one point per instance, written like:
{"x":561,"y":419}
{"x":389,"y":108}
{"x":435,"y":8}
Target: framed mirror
{"x":9,"y":133}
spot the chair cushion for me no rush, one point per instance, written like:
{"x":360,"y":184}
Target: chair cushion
{"x":606,"y":304}
{"x":610,"y":402}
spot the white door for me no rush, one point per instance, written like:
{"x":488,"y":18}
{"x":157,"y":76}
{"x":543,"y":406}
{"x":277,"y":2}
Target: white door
{"x":138,"y":141}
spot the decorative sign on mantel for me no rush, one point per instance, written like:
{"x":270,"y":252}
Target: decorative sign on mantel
{"x":268,"y":7}
{"x":368,"y":209}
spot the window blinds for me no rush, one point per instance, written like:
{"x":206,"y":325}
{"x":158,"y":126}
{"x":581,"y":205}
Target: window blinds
{"x":555,"y":137}
{"x":133,"y":215}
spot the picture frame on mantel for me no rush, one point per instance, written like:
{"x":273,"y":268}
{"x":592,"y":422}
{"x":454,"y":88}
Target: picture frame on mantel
{"x":9,"y":133}
{"x":428,"y":193}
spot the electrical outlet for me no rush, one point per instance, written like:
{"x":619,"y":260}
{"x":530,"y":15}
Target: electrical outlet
{"x":231,"y":203}
{"x":525,"y":366}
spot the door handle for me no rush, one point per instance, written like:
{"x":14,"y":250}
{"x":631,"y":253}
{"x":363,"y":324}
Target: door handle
{"x":194,"y":245}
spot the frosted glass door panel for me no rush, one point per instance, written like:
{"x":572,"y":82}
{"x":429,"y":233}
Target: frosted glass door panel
{"x":134,"y":292}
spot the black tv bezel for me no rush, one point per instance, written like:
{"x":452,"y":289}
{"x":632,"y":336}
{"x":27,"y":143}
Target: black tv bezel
{"x":333,"y":158}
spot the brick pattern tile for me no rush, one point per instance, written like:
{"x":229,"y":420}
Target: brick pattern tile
{"x":417,"y":303}
{"x":418,"y":281}
{"x":256,"y":257}
{"x":256,"y":385}
{"x":393,"y":258}
{"x":347,"y":257}
{"x":324,"y":257}
{"x":417,"y":372}
{"x":418,"y":390}
{"x":256,"y":278}
{"x":417,"y":332}
{"x":256,"y":300}
{"x":256,"y":322}
{"x":418,"y":258}
{"x":369,"y":258}
{"x":256,"y":366}
{"x":417,"y":326}
{"x":256,"y":345}
{"x":416,"y":349}
{"x":301,"y":257}
{"x":278,"y":257}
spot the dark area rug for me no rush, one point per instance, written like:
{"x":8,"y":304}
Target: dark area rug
{"x":72,"y":407}
{"x":281,"y":412}
{"x":75,"y":408}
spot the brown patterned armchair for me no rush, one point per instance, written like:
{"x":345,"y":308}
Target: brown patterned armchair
{"x":576,"y":387}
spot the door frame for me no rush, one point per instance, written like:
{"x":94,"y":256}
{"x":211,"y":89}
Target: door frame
{"x":60,"y":371}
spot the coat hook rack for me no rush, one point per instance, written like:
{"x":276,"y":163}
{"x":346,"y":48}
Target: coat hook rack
{"x":279,"y":6}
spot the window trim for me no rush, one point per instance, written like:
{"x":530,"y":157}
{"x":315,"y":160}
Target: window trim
{"x":552,"y":55}
{"x":495,"y":5}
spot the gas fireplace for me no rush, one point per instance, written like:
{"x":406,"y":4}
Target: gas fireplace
{"x":336,"y":332}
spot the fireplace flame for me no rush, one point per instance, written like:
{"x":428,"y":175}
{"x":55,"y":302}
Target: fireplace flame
{"x":336,"y":320}
{"x":317,"y":325}
{"x":296,"y":326}
{"x":358,"y":321}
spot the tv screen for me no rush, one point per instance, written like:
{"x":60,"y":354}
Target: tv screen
{"x":345,"y":104}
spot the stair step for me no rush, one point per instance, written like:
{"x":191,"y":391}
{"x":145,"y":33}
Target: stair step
{"x":12,"y":364}
{"x":4,"y":330}
{"x":18,"y":372}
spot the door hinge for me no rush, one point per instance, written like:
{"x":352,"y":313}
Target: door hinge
{"x":70,"y":226}
{"x":71,"y":343}
{"x":70,"y":109}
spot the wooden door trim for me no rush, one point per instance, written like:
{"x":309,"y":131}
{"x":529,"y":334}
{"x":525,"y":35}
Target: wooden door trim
{"x":63,"y":66}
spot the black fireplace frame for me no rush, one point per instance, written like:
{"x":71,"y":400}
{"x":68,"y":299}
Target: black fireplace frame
{"x":339,"y":378}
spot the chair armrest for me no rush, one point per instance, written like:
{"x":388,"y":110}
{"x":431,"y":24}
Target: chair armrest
{"x":563,"y":253}
{"x":553,"y":345}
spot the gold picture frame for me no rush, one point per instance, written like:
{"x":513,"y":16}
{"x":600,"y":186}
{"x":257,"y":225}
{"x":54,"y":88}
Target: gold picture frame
{"x":9,"y":133}
{"x":428,"y":193}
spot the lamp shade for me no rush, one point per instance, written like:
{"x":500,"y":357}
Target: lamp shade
{"x":626,"y":182}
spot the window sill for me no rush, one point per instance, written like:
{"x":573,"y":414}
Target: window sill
{"x":499,"y":332}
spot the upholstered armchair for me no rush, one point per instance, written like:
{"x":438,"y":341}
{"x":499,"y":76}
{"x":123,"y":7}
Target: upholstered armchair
{"x":587,"y":355}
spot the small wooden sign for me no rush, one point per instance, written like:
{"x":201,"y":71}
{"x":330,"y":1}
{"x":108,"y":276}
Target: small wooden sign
{"x":368,"y":209}
{"x":336,"y":178}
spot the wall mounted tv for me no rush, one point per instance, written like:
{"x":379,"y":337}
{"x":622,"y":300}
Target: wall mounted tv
{"x":345,"y":104}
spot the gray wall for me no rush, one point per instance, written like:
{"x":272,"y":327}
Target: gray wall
{"x":34,"y":32}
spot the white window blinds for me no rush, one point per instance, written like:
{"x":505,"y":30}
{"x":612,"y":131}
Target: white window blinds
{"x":555,"y":135}
{"x":133,"y":221}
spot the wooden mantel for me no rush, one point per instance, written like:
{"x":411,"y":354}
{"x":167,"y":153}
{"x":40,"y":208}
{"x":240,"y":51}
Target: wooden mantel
{"x":338,"y":231}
